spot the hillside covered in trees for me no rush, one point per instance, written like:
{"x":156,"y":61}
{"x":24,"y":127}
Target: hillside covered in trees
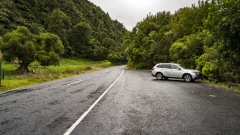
{"x":46,"y":30}
{"x":204,"y":36}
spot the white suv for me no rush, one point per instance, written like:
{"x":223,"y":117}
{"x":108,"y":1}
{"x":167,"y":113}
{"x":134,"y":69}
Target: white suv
{"x":173,"y":70}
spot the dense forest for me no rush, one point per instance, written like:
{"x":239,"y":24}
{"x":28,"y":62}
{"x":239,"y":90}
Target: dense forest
{"x":45,"y":31}
{"x":205,"y":36}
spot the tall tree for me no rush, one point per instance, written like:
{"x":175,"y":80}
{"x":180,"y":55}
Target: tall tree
{"x":49,"y":49}
{"x":186,"y":50}
{"x":19,"y":44}
{"x":223,"y":22}
{"x":26,"y":47}
{"x":59,"y":17}
{"x":150,"y":41}
{"x":182,"y":21}
{"x":59,"y":23}
{"x":79,"y":40}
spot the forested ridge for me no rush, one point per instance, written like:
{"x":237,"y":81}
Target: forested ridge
{"x":46,"y":31}
{"x":205,"y":36}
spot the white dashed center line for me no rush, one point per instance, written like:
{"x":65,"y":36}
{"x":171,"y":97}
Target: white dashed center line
{"x":74,"y":82}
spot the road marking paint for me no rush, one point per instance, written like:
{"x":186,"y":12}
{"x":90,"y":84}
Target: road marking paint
{"x":69,"y":131}
{"x":74,"y":82}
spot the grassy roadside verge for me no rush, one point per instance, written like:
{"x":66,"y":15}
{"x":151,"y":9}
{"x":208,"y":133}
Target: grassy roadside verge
{"x":224,"y":85}
{"x":66,"y":68}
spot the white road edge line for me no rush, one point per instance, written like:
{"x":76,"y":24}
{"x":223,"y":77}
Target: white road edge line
{"x":69,"y":131}
{"x":74,"y":82}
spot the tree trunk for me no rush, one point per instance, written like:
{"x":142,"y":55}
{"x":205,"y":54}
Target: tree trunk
{"x":23,"y":69}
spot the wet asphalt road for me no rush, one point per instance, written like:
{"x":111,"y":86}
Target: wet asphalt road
{"x":137,"y":104}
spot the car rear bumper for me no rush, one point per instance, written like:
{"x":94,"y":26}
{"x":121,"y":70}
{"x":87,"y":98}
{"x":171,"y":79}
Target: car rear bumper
{"x":153,"y":74}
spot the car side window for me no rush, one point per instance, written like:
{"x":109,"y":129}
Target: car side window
{"x":174,"y":67}
{"x":166,"y":66}
{"x":159,"y":66}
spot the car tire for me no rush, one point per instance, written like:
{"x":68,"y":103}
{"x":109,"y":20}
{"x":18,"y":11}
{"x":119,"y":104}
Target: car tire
{"x":159,"y":76}
{"x":187,"y":78}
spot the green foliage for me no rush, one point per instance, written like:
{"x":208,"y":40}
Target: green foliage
{"x":209,"y":62}
{"x":149,"y":41}
{"x":187,"y":49}
{"x":1,"y":40}
{"x":50,"y":49}
{"x":80,"y":37}
{"x":25,"y":47}
{"x":59,"y":23}
{"x":61,"y":17}
{"x":205,"y":37}
{"x":108,"y":42}
{"x":117,"y":54}
{"x":100,"y":53}
{"x":19,"y":44}
{"x":223,"y":23}
{"x":182,"y":21}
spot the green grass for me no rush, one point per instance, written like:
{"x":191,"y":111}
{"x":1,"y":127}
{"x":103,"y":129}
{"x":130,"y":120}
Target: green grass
{"x":9,"y":66}
{"x":66,"y":68}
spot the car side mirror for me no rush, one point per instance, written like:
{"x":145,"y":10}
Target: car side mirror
{"x":179,"y":69}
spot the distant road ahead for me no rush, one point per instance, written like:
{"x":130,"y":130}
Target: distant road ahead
{"x":136,"y":104}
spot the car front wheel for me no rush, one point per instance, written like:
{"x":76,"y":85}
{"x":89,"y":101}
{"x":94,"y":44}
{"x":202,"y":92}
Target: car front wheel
{"x":187,"y":78}
{"x":159,"y":76}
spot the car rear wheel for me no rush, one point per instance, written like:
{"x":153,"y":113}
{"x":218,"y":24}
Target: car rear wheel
{"x":159,"y":76}
{"x":187,"y":78}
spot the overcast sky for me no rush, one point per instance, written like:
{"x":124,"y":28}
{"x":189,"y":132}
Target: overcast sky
{"x":129,"y":12}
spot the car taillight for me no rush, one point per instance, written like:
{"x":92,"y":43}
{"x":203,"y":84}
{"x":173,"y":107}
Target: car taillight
{"x":153,"y":68}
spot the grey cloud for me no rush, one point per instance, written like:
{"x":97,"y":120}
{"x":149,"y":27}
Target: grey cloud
{"x":129,"y":12}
